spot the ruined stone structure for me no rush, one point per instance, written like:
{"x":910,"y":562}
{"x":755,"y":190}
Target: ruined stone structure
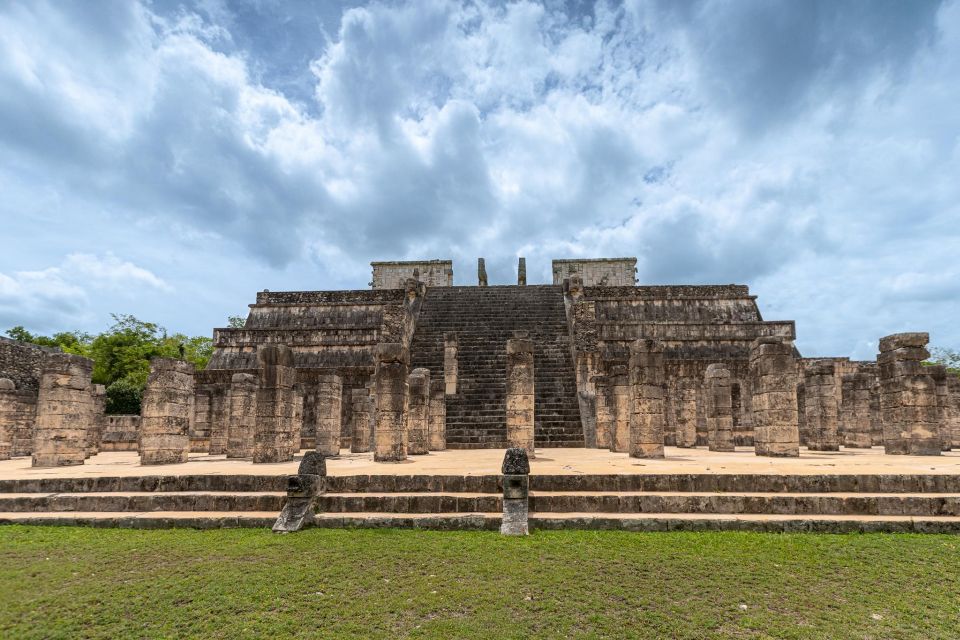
{"x":686,"y":411}
{"x":776,"y":422}
{"x":64,"y":411}
{"x":390,"y":437}
{"x":647,"y":390}
{"x":856,"y":414}
{"x":166,"y":412}
{"x":328,"y":415}
{"x":619,"y":376}
{"x":908,"y":396}
{"x":604,"y":404}
{"x":719,"y":408}
{"x":393,"y":275}
{"x":821,"y":409}
{"x":606,"y":272}
{"x":944,"y":406}
{"x":418,"y":412}
{"x":18,"y":412}
{"x":520,"y":394}
{"x":437,"y":437}
{"x":98,"y":393}
{"x":275,"y":438}
{"x":242,"y":422}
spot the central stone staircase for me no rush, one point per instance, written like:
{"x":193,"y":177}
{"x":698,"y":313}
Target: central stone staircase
{"x":641,"y":502}
{"x":484,"y":318}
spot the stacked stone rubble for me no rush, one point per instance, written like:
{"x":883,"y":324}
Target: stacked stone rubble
{"x":329,"y":392}
{"x":64,"y":411}
{"x":520,"y":394}
{"x":944,"y":408}
{"x":418,"y":412}
{"x":242,"y":419}
{"x":719,"y":408}
{"x":438,"y":416}
{"x":686,"y":434}
{"x":908,"y":396}
{"x":648,"y":384}
{"x":98,"y":420}
{"x":18,"y":412}
{"x":362,"y":421}
{"x":276,"y":406}
{"x":606,"y":421}
{"x":821,"y":407}
{"x":856,"y":413}
{"x":166,"y":412}
{"x":390,"y":436}
{"x":773,"y":372}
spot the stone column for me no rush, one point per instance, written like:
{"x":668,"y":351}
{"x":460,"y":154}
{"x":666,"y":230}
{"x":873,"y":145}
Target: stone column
{"x":438,"y":416}
{"x":647,"y":382}
{"x":953,"y":423}
{"x":520,"y":394}
{"x":820,"y":406}
{"x":390,"y":437}
{"x":876,"y":421}
{"x":908,"y":396}
{"x":165,"y":413}
{"x":418,"y":412}
{"x":98,"y":393}
{"x":481,"y":272}
{"x":939,"y":374}
{"x":329,"y":392}
{"x":64,"y":409}
{"x":719,"y":408}
{"x":273,"y":438}
{"x":856,"y":411}
{"x":242,"y":415}
{"x":361,"y":421}
{"x":606,"y":421}
{"x":619,"y":373}
{"x":687,"y":414}
{"x":802,"y":410}
{"x":202,"y":417}
{"x":516,"y":492}
{"x":522,"y":272}
{"x":776,"y":423}
{"x":219,"y":426}
{"x":450,"y":348}
{"x":18,"y":413}
{"x":6,"y":419}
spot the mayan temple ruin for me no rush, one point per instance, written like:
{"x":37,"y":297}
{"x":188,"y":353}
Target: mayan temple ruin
{"x":592,"y":374}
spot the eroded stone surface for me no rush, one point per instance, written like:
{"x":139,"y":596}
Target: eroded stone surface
{"x":821,"y":412}
{"x":520,"y":394}
{"x":242,"y":415}
{"x":166,"y":412}
{"x":418,"y":412}
{"x":329,"y":391}
{"x":719,"y":407}
{"x":908,"y":397}
{"x":437,"y":437}
{"x":64,"y":411}
{"x":276,"y":436}
{"x":391,"y":385}
{"x":774,"y":379}
{"x":647,"y":388}
{"x":855,"y":410}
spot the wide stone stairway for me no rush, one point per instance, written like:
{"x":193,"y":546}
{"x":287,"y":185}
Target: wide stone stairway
{"x":484,"y":318}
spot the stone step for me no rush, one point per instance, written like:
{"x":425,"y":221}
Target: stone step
{"x":491,"y":521}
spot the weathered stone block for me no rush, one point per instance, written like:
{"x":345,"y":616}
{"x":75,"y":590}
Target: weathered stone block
{"x":520,"y":394}
{"x":166,"y":412}
{"x":65,"y":410}
{"x":775,"y":410}
{"x":418,"y":412}
{"x":437,"y":437}
{"x":242,"y":418}
{"x":329,"y":392}
{"x":391,"y":376}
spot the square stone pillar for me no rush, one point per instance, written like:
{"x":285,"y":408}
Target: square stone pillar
{"x":520,"y":394}
{"x":481,"y":272}
{"x":219,"y":425}
{"x":647,"y":388}
{"x":361,"y":421}
{"x":719,"y":408}
{"x":522,"y":272}
{"x":390,"y":436}
{"x":64,"y":411}
{"x":329,"y":392}
{"x":774,"y":378}
{"x":855,"y":410}
{"x":820,"y":406}
{"x":243,"y":415}
{"x":606,"y":422}
{"x":165,"y":413}
{"x":418,"y":412}
{"x":687,"y":414}
{"x":95,"y":431}
{"x":438,"y":416}
{"x":7,"y":389}
{"x":202,"y":416}
{"x":944,"y":409}
{"x":273,"y":439}
{"x":18,"y":413}
{"x":450,"y":348}
{"x":908,"y":397}
{"x":953,"y":420}
{"x":619,"y":373}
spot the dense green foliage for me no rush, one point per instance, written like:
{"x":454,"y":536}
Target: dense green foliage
{"x":950,"y":358}
{"x":121,"y":355}
{"x":113,"y":583}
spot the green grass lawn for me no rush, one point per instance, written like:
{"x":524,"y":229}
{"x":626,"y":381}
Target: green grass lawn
{"x":65,"y":582}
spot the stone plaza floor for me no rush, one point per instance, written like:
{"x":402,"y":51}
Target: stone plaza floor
{"x":488,"y":461}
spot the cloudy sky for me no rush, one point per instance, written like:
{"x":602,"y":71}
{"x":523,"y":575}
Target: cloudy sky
{"x":170,"y":158}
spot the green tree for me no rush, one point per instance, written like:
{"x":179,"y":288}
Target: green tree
{"x":950,"y":358}
{"x":76,"y":342}
{"x":236,"y":322}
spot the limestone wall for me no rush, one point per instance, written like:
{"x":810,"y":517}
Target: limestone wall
{"x":120,"y":433}
{"x":613,"y":272}
{"x":391,"y":275}
{"x":22,"y":363}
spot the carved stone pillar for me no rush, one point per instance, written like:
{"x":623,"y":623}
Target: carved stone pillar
{"x":776,"y":422}
{"x":64,"y":410}
{"x":481,"y":272}
{"x":18,"y":413}
{"x":418,"y":412}
{"x":438,"y":416}
{"x":328,"y":410}
{"x":908,"y":397}
{"x":522,"y":272}
{"x":855,"y":405}
{"x":606,"y":421}
{"x":165,"y":414}
{"x":520,"y":394}
{"x":450,"y":348}
{"x":944,"y":408}
{"x":719,"y":408}
{"x":95,"y":431}
{"x":820,"y":406}
{"x":242,"y":418}
{"x":647,"y":382}
{"x":361,"y":421}
{"x":391,"y":387}
{"x":273,"y":439}
{"x":619,"y":373}
{"x":687,"y":413}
